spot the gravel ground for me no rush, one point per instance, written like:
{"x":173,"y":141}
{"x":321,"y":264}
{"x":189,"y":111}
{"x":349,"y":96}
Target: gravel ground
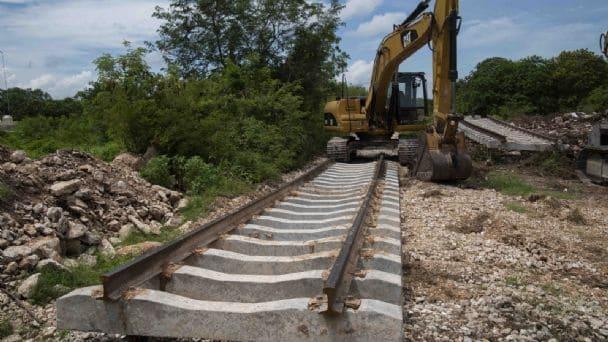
{"x":476,"y":270}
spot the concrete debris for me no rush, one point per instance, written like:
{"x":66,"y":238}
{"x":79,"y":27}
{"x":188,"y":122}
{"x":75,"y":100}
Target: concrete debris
{"x":26,"y":288}
{"x":570,"y":129}
{"x":68,"y":202}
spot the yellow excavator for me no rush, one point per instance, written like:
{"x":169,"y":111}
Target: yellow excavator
{"x":387,"y":118}
{"x":604,"y":43}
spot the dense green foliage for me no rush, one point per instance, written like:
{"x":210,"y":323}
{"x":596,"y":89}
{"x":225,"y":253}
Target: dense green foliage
{"x":40,"y":135}
{"x":534,"y":85}
{"x":23,"y":103}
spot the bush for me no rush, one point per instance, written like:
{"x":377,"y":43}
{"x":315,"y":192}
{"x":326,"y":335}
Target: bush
{"x":597,"y":101}
{"x":199,"y":176}
{"x":158,"y":171}
{"x":40,"y":135}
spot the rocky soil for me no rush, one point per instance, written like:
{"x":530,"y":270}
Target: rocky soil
{"x":476,"y":270}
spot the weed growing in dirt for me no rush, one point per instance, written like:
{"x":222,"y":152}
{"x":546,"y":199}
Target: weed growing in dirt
{"x":471,"y":225}
{"x":516,"y":207}
{"x":6,"y":329}
{"x":576,"y":216}
{"x":512,"y":185}
{"x":551,"y":289}
{"x":514,"y":281}
{"x":166,"y":234}
{"x":432,"y":193}
{"x":55,"y":283}
{"x":5,"y":193}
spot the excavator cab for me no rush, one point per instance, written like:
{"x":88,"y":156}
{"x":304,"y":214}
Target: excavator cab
{"x":407,"y":107}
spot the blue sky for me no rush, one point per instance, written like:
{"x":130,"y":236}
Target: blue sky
{"x":50,"y":44}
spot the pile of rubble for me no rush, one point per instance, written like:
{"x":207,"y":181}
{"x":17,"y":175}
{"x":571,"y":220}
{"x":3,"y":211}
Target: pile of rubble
{"x":570,"y":129}
{"x":68,"y":205}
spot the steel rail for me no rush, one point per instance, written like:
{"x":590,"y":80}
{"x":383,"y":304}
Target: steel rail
{"x":500,"y":137}
{"x":154,"y":262}
{"x":340,"y":276}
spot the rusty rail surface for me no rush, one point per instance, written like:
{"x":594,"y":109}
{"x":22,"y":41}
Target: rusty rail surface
{"x":340,"y":276}
{"x":154,"y":262}
{"x":497,"y":136}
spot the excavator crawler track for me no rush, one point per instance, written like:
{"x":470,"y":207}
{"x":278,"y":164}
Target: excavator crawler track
{"x":407,"y":150}
{"x":338,"y":150}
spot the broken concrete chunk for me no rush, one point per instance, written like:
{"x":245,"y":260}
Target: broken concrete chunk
{"x":50,"y":264}
{"x":144,"y":228}
{"x":76,"y":230}
{"x":54,"y":213}
{"x":126,"y":230}
{"x":18,"y":156}
{"x":16,"y":252}
{"x":106,"y":248}
{"x":26,"y":289}
{"x":65,"y":188}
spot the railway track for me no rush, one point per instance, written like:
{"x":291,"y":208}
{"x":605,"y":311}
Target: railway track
{"x":318,"y":259}
{"x":498,"y":134}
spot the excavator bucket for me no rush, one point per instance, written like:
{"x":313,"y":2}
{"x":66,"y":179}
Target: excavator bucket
{"x":443,"y":164}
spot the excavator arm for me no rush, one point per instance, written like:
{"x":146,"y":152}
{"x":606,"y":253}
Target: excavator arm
{"x":442,"y":152}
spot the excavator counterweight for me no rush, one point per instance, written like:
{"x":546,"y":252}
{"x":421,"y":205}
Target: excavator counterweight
{"x":388,"y":116}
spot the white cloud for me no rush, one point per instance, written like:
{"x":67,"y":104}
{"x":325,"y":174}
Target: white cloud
{"x":379,"y":24}
{"x":358,"y":8}
{"x":42,"y":81}
{"x":359,"y":72}
{"x":50,"y":43}
{"x":490,"y":32}
{"x":60,"y":86}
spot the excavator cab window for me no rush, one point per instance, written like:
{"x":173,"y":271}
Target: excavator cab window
{"x":408,"y":36}
{"x":404,"y":97}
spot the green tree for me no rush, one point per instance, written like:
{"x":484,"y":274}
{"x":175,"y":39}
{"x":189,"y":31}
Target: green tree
{"x":488,"y":87}
{"x":203,"y":36}
{"x":22,"y":103}
{"x":575,"y":74}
